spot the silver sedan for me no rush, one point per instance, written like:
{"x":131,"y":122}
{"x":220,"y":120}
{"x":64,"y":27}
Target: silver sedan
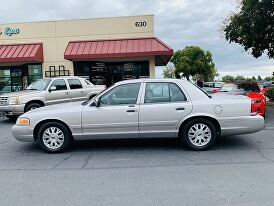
{"x":143,"y":108}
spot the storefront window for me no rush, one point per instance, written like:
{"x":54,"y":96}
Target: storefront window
{"x":5,"y":81}
{"x":107,"y":73}
{"x":35,"y":72}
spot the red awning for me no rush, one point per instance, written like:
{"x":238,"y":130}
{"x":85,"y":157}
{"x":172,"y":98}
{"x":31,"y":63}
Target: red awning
{"x":119,"y":48}
{"x":32,"y":52}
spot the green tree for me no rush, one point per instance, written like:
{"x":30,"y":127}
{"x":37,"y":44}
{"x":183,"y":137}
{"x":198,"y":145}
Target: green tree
{"x":239,"y":78}
{"x":252,"y":27}
{"x":193,"y":61}
{"x":254,"y":78}
{"x":228,"y":78}
{"x":169,"y":72}
{"x":259,"y":78}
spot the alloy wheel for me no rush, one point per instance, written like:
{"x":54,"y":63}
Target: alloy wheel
{"x":199,"y":134}
{"x":53,"y":138}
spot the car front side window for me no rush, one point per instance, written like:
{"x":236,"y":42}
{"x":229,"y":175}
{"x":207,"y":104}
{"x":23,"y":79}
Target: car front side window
{"x":123,"y":94}
{"x":60,"y":84}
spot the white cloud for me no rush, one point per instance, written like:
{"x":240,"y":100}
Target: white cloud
{"x":177,"y":22}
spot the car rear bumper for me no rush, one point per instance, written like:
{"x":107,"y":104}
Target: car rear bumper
{"x":12,"y":109}
{"x":23,"y":133}
{"x":241,"y":125}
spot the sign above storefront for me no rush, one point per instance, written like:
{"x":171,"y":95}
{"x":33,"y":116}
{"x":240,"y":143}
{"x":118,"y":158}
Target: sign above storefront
{"x":9,"y":31}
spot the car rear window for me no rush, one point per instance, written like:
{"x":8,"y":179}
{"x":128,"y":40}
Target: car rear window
{"x":247,"y":87}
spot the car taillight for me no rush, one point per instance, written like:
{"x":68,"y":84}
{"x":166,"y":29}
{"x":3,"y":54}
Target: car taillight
{"x":255,"y":106}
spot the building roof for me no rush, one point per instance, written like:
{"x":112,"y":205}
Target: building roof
{"x":119,"y":48}
{"x":32,"y":52}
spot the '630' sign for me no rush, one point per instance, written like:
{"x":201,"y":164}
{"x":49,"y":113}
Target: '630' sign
{"x":140,"y":23}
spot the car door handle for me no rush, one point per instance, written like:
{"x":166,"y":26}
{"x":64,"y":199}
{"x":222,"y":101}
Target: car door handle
{"x":82,"y":92}
{"x":66,"y":93}
{"x":131,"y":110}
{"x":180,"y":108}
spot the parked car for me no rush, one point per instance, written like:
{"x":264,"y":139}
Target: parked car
{"x":141,"y":108}
{"x":47,"y":92}
{"x":249,"y":89}
{"x":212,"y":87}
{"x":5,"y":89}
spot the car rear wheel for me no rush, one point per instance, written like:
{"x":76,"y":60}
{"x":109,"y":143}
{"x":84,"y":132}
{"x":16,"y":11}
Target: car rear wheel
{"x":32,"y":106}
{"x":199,"y":134}
{"x":54,"y":137}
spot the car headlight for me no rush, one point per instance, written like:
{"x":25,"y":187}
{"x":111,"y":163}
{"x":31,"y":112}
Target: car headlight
{"x":23,"y":121}
{"x":13,"y":100}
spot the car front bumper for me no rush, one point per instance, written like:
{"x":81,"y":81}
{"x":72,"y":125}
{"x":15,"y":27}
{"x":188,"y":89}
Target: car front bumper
{"x":23,"y":133}
{"x":241,"y":125}
{"x":12,"y":109}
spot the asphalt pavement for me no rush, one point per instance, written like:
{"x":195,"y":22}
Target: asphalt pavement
{"x":239,"y":170}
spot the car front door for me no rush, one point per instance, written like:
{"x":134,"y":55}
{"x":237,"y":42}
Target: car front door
{"x":164,"y":104}
{"x":60,"y":94}
{"x":116,"y":116}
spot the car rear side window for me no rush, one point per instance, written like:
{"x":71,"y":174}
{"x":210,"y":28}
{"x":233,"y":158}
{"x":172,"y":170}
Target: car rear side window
{"x":75,"y":84}
{"x":60,"y":84}
{"x":163,"y":92}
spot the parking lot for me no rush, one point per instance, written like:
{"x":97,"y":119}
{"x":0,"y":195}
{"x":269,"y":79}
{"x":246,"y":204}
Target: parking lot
{"x":237,"y":171}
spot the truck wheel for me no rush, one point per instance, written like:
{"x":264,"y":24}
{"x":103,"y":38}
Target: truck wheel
{"x":199,"y":134}
{"x":32,"y":106}
{"x":54,"y":137}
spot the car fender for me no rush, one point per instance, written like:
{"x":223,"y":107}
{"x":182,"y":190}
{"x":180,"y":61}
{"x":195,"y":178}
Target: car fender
{"x":194,"y":115}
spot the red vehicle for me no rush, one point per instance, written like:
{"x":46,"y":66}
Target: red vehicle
{"x":249,"y":89}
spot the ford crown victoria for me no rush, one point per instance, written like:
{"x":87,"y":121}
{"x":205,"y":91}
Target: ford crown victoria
{"x":142,"y":108}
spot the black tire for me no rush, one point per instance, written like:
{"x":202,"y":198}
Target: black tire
{"x":12,"y":118}
{"x":32,"y":106}
{"x":208,"y":142}
{"x":66,"y":136}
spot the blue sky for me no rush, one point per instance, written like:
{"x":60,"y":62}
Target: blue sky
{"x":177,"y":22}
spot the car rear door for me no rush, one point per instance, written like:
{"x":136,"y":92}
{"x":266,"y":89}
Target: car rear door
{"x":117,"y":115}
{"x":77,"y":92}
{"x":164,"y":104}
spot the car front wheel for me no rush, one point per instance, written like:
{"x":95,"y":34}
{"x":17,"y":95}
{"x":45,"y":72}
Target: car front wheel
{"x":199,"y":134}
{"x":54,"y":137}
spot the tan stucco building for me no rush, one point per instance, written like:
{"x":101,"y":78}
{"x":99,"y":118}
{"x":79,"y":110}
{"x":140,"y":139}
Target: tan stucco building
{"x":103,"y":50}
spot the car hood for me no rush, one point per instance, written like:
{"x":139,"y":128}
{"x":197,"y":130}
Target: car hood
{"x":255,"y":95}
{"x":57,"y":108}
{"x":20,"y":93}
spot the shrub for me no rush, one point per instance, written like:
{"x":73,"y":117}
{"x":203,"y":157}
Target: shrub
{"x":270,"y":93}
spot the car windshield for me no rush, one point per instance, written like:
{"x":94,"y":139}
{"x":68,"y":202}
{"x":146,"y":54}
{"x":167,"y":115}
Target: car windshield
{"x":39,"y":85}
{"x":89,"y":100}
{"x":227,"y":88}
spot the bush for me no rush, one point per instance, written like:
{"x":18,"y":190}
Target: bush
{"x":270,"y":93}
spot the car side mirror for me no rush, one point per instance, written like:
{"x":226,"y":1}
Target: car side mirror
{"x":96,"y":102}
{"x":52,"y":88}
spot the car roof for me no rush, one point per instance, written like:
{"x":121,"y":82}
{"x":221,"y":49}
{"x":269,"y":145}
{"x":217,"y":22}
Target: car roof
{"x":245,"y":82}
{"x":66,"y":77}
{"x":149,"y":80}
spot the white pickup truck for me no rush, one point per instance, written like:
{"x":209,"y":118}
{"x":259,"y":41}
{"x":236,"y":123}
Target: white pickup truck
{"x":45,"y":92}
